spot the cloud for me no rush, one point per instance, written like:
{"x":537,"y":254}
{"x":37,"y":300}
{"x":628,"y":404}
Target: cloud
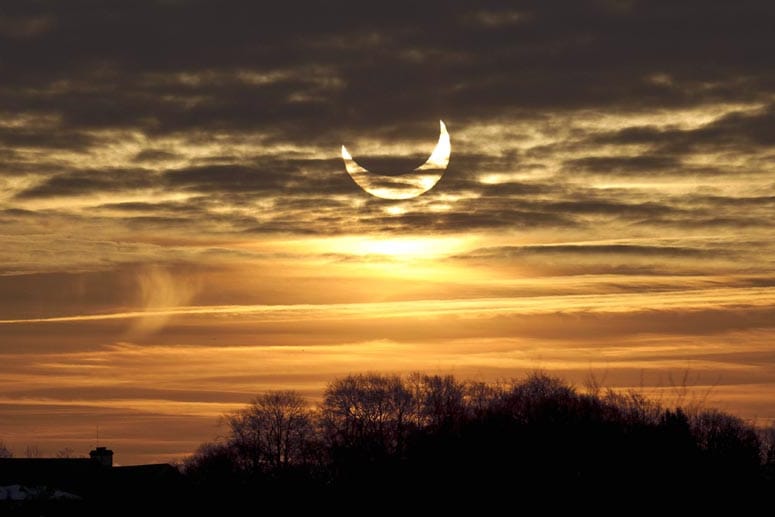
{"x":254,"y":117}
{"x":271,"y":175}
{"x":14,"y":138}
{"x":152,"y":155}
{"x":636,"y":164}
{"x":743,"y":130}
{"x":601,"y":249}
{"x":76,"y":183}
{"x":270,"y":68}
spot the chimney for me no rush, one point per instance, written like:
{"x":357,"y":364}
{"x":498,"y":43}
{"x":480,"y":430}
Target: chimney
{"x":103,"y":456}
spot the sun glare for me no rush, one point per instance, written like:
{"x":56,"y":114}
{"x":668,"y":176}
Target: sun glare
{"x":395,"y":210}
{"x":415,"y":247}
{"x":405,"y":248}
{"x":396,"y":247}
{"x":411,"y":248}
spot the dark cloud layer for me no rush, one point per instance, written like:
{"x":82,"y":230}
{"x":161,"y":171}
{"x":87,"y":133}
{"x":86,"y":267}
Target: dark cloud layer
{"x":344,"y":65}
{"x":741,"y":132}
{"x":70,"y":183}
{"x":275,"y":89}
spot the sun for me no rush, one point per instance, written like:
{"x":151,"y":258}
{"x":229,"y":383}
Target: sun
{"x":408,"y":185}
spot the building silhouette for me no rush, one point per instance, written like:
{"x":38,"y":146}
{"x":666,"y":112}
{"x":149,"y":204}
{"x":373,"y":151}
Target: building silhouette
{"x":86,"y":480}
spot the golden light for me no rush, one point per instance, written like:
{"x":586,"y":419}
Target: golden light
{"x":406,"y":248}
{"x":395,"y":210}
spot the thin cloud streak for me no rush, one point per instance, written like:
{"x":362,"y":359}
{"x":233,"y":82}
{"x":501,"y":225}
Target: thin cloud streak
{"x":687,"y":300}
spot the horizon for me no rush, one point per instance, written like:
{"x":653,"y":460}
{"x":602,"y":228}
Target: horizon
{"x":179,"y":231}
{"x":680,"y":395}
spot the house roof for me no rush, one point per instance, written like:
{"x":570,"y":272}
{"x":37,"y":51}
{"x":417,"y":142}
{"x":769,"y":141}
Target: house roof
{"x":88,"y":478}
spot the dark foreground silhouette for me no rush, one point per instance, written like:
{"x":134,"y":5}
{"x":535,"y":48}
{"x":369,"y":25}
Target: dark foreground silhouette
{"x":433,"y":442}
{"x":380,"y":444}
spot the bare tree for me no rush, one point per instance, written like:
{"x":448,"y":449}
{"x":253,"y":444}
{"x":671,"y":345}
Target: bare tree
{"x":273,"y":431}
{"x":66,"y":452}
{"x":5,"y":452}
{"x":767,"y":438}
{"x":32,"y":451}
{"x":440,"y":399}
{"x":479,"y":397}
{"x":726,"y":436}
{"x":213,"y":462}
{"x":368,"y":411}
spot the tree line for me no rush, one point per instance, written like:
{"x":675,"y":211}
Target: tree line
{"x":33,"y":451}
{"x":420,"y":434}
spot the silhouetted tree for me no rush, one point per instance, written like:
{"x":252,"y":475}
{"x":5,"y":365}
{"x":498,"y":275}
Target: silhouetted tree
{"x":440,"y":400}
{"x":5,"y":452}
{"x":538,"y":398}
{"x":32,"y":451}
{"x":272,"y":432}
{"x":212,"y":461}
{"x":729,"y":444}
{"x":480,"y":396}
{"x":371,"y":413}
{"x":429,"y":434}
{"x":767,"y":439}
{"x":66,"y":452}
{"x":632,"y":408}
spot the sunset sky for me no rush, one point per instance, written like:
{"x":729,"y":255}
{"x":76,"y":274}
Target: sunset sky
{"x":178,"y":232}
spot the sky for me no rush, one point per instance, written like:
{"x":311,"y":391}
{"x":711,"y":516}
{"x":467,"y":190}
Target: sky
{"x":178,"y":232}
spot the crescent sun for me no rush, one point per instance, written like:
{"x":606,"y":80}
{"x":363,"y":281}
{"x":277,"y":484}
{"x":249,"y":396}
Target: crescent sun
{"x":408,"y":185}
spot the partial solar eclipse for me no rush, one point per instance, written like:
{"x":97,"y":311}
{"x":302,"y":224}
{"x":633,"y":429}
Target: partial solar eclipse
{"x":408,"y":185}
